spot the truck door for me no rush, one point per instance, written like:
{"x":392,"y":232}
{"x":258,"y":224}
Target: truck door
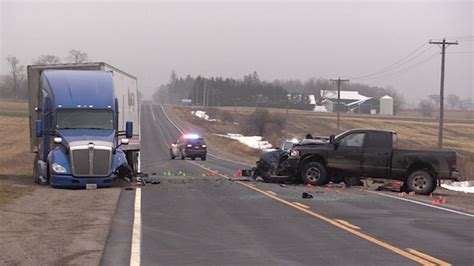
{"x":377,"y":154}
{"x":349,"y":152}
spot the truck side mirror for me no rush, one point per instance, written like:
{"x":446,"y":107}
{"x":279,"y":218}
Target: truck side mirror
{"x":129,"y":129}
{"x":38,"y":128}
{"x":332,"y":139}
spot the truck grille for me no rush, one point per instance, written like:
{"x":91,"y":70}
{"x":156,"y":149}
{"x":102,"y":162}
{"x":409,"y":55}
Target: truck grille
{"x":87,"y":161}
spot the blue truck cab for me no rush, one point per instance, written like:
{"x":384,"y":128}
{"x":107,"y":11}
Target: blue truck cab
{"x":75,"y":128}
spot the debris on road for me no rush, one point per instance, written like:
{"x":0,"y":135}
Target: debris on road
{"x":307,"y":195}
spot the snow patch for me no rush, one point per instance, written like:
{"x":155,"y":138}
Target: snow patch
{"x":203,"y":115}
{"x":463,"y":186}
{"x":320,"y":108}
{"x":255,"y":142}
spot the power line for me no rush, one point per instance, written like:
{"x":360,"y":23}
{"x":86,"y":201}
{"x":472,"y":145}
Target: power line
{"x":403,"y":70}
{"x":397,"y":63}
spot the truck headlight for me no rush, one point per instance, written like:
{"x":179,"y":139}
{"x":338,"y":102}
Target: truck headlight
{"x":294,"y":153}
{"x":58,"y":168}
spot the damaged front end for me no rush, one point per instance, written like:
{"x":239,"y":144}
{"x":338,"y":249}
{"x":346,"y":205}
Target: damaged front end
{"x":273,"y":167}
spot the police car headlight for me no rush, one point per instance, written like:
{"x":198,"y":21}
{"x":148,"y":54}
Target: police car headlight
{"x":294,"y":153}
{"x":58,"y":168}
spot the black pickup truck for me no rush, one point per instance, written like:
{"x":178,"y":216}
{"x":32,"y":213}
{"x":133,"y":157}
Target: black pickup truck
{"x":359,"y":153}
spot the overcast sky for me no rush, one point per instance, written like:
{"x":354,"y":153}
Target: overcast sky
{"x":279,"y":40}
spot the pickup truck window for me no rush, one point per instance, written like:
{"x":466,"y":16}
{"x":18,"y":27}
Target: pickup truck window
{"x":381,"y":140}
{"x":353,"y":140}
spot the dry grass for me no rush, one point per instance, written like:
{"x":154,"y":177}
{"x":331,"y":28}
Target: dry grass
{"x":413,"y":132}
{"x":11,"y":108}
{"x":15,"y":156}
{"x":9,"y":193}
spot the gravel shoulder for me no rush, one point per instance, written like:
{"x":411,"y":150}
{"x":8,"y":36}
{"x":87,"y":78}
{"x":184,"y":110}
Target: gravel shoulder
{"x":49,"y":226}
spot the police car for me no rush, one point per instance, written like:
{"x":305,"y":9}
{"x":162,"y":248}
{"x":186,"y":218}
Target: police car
{"x":189,"y":146}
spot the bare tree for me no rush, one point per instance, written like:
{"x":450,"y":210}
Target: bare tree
{"x":47,"y":59}
{"x":466,"y":104}
{"x":435,"y":99}
{"x":17,"y":74}
{"x":426,"y":107}
{"x":453,"y":101}
{"x":77,"y":57}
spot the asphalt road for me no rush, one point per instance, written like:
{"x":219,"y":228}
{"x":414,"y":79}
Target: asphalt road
{"x":209,"y":220}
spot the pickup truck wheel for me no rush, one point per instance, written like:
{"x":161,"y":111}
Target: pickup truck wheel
{"x":421,"y":182}
{"x":314,"y":173}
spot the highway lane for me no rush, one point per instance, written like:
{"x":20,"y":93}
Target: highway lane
{"x":209,"y":220}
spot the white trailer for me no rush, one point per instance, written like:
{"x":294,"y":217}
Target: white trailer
{"x":126,"y":93}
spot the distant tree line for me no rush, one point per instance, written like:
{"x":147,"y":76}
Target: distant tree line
{"x":14,"y":84}
{"x":452,"y":102}
{"x":251,"y":91}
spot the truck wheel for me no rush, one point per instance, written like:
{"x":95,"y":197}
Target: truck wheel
{"x":421,"y":182}
{"x":314,"y":173}
{"x":132,"y":160}
{"x":203,"y":158}
{"x":40,"y":180}
{"x":193,"y":158}
{"x":182,"y":155}
{"x":171,"y":155}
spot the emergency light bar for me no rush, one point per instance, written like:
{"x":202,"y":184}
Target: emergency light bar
{"x":191,"y":136}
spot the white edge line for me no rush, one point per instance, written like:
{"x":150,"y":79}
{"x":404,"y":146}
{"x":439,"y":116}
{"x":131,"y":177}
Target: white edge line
{"x":210,"y":154}
{"x":137,"y":228}
{"x":422,"y":203}
{"x":167,"y":117}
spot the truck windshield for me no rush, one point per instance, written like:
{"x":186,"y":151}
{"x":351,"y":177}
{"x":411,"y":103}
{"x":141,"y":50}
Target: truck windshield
{"x":84,"y":119}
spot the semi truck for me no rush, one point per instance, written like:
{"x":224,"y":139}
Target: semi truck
{"x":84,"y":124}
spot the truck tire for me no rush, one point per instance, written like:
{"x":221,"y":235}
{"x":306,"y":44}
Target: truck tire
{"x":421,"y":182}
{"x":314,"y":173}
{"x":42,"y":181}
{"x":171,"y":155}
{"x":132,"y":160}
{"x":182,"y":155}
{"x":203,"y":158}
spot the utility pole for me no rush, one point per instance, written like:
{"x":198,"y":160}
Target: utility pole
{"x":443,"y":45}
{"x":204,"y":98}
{"x":338,"y":81}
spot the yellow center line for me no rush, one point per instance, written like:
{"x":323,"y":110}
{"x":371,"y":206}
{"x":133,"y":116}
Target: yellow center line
{"x":339,"y":225}
{"x":300,"y":205}
{"x":271,"y":192}
{"x":428,"y":257}
{"x":346,"y":228}
{"x":346,"y":223}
